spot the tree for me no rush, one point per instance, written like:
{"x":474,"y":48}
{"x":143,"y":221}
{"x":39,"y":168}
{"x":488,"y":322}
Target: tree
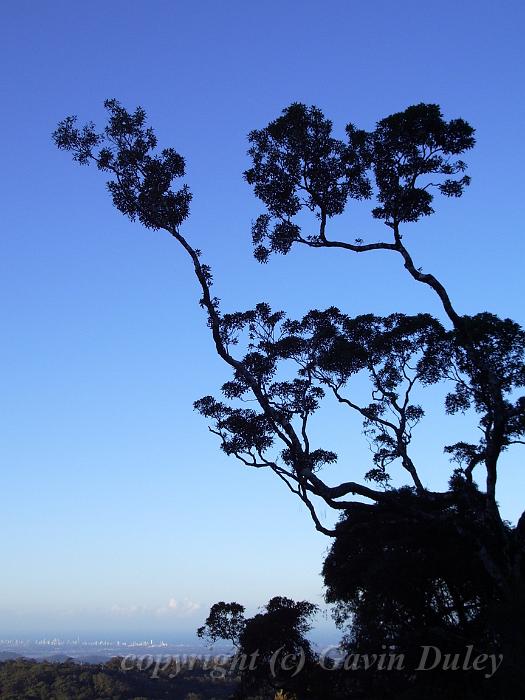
{"x":278,"y":634}
{"x":272,"y":645}
{"x":225,"y":621}
{"x":300,"y":169}
{"x":404,"y":579}
{"x":282,"y":624}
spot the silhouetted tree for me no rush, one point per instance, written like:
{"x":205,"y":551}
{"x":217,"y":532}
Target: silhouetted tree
{"x":225,"y":621}
{"x":273,"y":651}
{"x":299,"y":169}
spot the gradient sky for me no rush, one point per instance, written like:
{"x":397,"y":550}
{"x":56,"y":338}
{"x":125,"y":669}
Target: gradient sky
{"x":118,"y":511}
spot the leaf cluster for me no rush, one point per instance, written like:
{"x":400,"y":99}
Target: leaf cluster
{"x":141,"y":179}
{"x":297,"y":164}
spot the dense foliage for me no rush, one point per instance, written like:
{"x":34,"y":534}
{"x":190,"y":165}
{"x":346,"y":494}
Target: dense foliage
{"x":25,"y":679}
{"x":225,"y":621}
{"x":272,"y":650}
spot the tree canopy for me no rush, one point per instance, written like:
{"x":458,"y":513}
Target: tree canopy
{"x":305,"y":177}
{"x":272,"y":647}
{"x":225,"y":621}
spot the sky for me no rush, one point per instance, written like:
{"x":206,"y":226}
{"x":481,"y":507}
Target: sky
{"x":118,"y":510}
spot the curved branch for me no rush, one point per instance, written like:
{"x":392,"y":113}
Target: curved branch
{"x":322,"y":242}
{"x":428,"y":279}
{"x":287,"y":433}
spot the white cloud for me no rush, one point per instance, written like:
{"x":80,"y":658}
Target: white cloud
{"x":173,"y":608}
{"x":179,"y":608}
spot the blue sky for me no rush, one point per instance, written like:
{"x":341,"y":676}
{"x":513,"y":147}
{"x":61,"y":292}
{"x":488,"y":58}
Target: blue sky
{"x":118,"y":510}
